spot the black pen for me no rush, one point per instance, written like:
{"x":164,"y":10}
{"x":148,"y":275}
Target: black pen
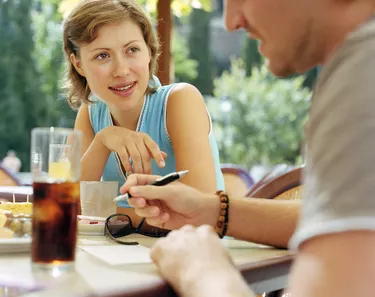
{"x":159,"y":182}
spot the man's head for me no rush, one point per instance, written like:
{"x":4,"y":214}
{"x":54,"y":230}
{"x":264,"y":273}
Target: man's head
{"x":296,"y":35}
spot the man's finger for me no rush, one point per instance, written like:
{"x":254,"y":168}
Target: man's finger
{"x":152,"y":192}
{"x":137,"y":202}
{"x":138,"y":180}
{"x":148,"y":211}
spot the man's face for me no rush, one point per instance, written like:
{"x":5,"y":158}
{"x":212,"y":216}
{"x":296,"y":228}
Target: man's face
{"x":283,"y":27}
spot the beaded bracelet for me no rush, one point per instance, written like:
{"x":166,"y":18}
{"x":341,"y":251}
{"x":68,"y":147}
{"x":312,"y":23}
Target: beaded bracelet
{"x":222,"y":222}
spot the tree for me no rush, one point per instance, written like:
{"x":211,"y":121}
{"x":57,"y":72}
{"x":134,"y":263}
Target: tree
{"x":199,"y":45}
{"x":266,"y":117}
{"x":185,"y":69}
{"x":251,"y":56}
{"x":21,"y":99}
{"x":50,"y":59}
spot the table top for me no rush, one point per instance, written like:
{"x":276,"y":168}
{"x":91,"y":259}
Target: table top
{"x":263,"y":267}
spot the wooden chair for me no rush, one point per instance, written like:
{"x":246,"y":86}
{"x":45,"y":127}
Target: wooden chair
{"x":237,"y":179}
{"x":7,"y":178}
{"x":287,"y":186}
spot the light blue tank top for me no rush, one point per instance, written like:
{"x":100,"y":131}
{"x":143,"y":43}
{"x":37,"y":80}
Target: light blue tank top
{"x":152,"y":121}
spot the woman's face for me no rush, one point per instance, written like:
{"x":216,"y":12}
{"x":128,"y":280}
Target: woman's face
{"x":116,"y":65}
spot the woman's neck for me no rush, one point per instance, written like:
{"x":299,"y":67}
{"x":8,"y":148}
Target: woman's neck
{"x":126,"y":118}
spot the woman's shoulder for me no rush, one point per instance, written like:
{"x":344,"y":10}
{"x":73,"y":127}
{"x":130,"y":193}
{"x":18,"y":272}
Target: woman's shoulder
{"x":176,"y":89}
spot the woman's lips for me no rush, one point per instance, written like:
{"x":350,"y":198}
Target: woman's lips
{"x":124,"y":91}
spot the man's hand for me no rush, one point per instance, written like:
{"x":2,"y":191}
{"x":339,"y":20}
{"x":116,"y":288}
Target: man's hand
{"x":192,"y":258}
{"x":171,"y":206}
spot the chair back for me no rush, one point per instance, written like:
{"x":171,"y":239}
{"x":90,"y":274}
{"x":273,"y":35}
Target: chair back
{"x":237,"y":179}
{"x":287,"y":186}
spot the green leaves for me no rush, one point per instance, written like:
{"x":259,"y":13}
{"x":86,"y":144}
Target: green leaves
{"x":185,"y":69}
{"x":267,"y":115}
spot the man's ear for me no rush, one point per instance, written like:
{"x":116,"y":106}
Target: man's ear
{"x":77,"y":64}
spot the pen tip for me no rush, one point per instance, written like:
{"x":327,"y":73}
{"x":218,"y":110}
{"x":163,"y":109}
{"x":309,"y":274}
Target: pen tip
{"x":182,"y":173}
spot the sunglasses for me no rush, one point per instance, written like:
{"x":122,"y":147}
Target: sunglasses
{"x":117,"y":226}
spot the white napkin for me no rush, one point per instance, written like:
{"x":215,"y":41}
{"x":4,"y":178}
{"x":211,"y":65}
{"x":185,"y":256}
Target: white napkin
{"x":119,"y":254}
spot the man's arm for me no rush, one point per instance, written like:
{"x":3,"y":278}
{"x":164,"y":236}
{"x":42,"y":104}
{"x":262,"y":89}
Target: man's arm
{"x":341,"y":264}
{"x":270,"y":222}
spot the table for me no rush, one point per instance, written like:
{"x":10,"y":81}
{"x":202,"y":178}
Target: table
{"x":264,"y":268}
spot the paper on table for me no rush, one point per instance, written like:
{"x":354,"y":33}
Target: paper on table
{"x":120,"y":254}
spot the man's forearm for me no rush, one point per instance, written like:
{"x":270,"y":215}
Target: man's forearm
{"x":264,"y":221}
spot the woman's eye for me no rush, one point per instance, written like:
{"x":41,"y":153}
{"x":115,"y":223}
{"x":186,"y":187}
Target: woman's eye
{"x":133,"y":50}
{"x":102,"y":56}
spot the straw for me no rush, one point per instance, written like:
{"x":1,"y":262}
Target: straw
{"x":14,"y":198}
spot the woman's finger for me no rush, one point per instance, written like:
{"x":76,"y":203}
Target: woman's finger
{"x":124,"y":158}
{"x":136,"y":157}
{"x":154,"y":150}
{"x":146,"y":158}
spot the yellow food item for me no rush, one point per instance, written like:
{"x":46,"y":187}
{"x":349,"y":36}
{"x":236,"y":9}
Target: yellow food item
{"x":18,"y":207}
{"x":6,"y":233}
{"x":3,"y":219}
{"x":60,"y":170}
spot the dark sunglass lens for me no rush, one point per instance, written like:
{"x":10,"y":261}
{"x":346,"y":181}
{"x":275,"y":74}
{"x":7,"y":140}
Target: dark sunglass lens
{"x":119,"y":226}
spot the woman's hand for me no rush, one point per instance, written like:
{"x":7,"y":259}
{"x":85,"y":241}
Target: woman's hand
{"x":135,"y":145}
{"x":170,"y":206}
{"x":194,"y":261}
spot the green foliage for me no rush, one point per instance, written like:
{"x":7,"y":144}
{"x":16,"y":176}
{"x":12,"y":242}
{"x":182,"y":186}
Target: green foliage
{"x":21,"y":101}
{"x":185,"y":69}
{"x":251,"y":56}
{"x":266,"y":119}
{"x":50,"y":60}
{"x":179,"y":7}
{"x":30,"y":68}
{"x":199,"y":46}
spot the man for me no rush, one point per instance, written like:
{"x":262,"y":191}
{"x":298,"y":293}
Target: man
{"x":335,"y":238}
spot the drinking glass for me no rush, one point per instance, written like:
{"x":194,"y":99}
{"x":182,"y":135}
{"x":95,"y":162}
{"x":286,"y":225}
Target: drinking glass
{"x":96,"y":198}
{"x":55,"y":167}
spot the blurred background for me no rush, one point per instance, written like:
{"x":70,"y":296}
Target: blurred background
{"x":258,"y":119}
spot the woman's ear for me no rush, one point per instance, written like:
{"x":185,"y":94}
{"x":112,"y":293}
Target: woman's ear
{"x":77,"y":64}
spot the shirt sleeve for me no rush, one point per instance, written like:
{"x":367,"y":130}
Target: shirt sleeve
{"x":339,"y":178}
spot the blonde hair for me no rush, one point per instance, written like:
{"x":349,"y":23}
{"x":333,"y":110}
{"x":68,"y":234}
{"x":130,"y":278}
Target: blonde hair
{"x":80,"y":28}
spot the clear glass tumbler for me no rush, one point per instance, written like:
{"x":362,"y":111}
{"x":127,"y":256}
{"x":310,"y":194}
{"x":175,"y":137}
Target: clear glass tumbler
{"x":55,"y":167}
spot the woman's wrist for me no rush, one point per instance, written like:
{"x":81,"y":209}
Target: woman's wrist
{"x":98,"y":143}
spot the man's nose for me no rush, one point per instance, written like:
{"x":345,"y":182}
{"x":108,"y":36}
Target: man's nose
{"x":232,"y":15}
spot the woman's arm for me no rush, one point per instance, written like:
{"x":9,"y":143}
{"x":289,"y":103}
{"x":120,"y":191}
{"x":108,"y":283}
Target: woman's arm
{"x":188,"y":126}
{"x":92,"y":148}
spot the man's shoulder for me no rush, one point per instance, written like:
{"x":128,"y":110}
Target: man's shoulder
{"x":354,"y":58}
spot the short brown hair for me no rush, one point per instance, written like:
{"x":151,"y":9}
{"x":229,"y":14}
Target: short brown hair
{"x":81,"y":28}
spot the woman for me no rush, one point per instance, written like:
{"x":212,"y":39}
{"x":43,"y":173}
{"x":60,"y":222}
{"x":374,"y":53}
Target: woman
{"x":131,"y":123}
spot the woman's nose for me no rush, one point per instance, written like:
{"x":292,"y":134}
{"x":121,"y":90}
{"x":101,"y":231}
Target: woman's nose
{"x":121,"y":67}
